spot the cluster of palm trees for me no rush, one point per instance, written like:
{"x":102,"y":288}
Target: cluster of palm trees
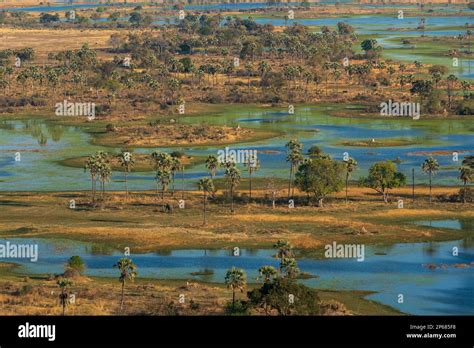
{"x":232,"y":176}
{"x":167,"y":166}
{"x":466,"y":172}
{"x":236,"y":279}
{"x":100,"y":170}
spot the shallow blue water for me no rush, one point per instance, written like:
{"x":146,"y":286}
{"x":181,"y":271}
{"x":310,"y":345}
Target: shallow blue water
{"x":388,"y":270}
{"x":39,"y":170}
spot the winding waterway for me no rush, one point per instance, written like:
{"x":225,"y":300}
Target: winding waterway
{"x":387,"y":270}
{"x":43,"y":144}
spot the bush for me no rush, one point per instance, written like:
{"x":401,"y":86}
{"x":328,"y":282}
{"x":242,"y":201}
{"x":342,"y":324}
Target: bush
{"x":24,"y":290}
{"x":239,"y":308}
{"x":110,"y":128}
{"x":194,"y":306}
{"x":177,"y":154}
{"x":102,"y":109}
{"x":275,"y":296}
{"x":466,"y":194}
{"x":76,"y":263}
{"x":465,"y":110}
{"x":214,"y":98}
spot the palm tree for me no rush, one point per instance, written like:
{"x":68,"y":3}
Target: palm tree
{"x":175,"y":165}
{"x":466,"y":174}
{"x":232,"y":175}
{"x":450,"y":82}
{"x":105,"y":172}
{"x":294,"y":157}
{"x":99,"y":168}
{"x":271,"y":190}
{"x":92,"y":165}
{"x":212,"y":163}
{"x":289,"y":267}
{"x":235,"y":279}
{"x":162,"y":163}
{"x":263,"y":68}
{"x":127,"y":271}
{"x":253,"y":163}
{"x":207,"y":187}
{"x":267,"y":273}
{"x":350,"y":165}
{"x":127,"y":162}
{"x":163,"y":177}
{"x":63,"y":284}
{"x":430,"y":166}
{"x":284,"y":250}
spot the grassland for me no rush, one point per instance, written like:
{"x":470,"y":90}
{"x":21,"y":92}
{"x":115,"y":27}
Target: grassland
{"x":379,"y":143}
{"x":38,"y":295}
{"x":139,"y":223}
{"x":44,"y":41}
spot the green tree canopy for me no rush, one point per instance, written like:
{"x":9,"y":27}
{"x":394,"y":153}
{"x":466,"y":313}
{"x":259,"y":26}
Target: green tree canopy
{"x":319,"y":177}
{"x":382,"y":177}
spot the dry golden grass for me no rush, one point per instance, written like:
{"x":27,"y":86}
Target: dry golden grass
{"x":44,"y":41}
{"x":102,"y":297}
{"x":19,"y":3}
{"x":139,"y":223}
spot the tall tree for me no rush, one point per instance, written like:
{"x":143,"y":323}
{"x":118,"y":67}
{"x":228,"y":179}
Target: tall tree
{"x":105,"y":172}
{"x":235,"y":279}
{"x":212,"y":163}
{"x":350,"y":165}
{"x":466,"y":174}
{"x":252,"y":164}
{"x":175,"y":166}
{"x":207,"y":187}
{"x":232,"y":175}
{"x":63,"y":284}
{"x":271,"y":190}
{"x":127,"y":162}
{"x":91,"y":164}
{"x":284,"y":250}
{"x":128,"y":271}
{"x":294,"y":157}
{"x":450,"y":84}
{"x":430,"y":166}
{"x":163,"y":177}
{"x":162,"y":163}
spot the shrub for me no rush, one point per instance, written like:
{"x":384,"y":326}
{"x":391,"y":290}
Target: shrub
{"x":466,"y":194}
{"x":110,"y":128}
{"x":177,"y":154}
{"x":239,"y":308}
{"x":24,"y":290}
{"x":76,"y":263}
{"x":275,"y":296}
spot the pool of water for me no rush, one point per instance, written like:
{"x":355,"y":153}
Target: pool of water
{"x":39,"y":168}
{"x":451,"y":224}
{"x":388,"y":270}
